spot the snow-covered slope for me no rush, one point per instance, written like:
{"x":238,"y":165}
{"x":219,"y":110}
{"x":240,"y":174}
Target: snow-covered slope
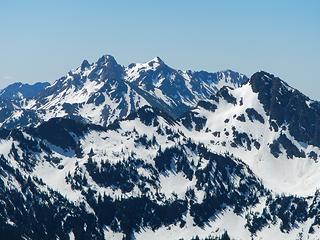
{"x":269,"y":125}
{"x":140,"y":177}
{"x":150,"y":152}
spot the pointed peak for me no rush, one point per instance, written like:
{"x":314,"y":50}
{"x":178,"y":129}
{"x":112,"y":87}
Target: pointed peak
{"x":84,"y":65}
{"x":263,"y":78}
{"x":263,"y":81}
{"x":107,"y":59}
{"x":157,"y":61}
{"x":262,"y":74}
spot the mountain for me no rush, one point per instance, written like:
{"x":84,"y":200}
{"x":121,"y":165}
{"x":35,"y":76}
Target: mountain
{"x":19,"y":91}
{"x":104,"y":91}
{"x":175,"y":90}
{"x":269,"y":125}
{"x":13,"y":104}
{"x":149,"y":152}
{"x":140,"y":177}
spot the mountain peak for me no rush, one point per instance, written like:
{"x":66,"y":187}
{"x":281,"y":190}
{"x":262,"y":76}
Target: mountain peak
{"x":262,"y":75}
{"x":155,"y":62}
{"x":85,"y":64}
{"x":157,"y":59}
{"x":262,"y":80}
{"x":105,"y":59}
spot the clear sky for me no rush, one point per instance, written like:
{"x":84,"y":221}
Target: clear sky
{"x":43,"y":40}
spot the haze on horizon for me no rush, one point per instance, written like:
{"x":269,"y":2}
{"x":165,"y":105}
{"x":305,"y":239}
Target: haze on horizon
{"x":42,"y":41}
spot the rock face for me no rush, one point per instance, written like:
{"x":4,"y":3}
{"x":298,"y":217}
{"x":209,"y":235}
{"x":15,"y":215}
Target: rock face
{"x":149,"y":152}
{"x":20,"y":91}
{"x":287,"y":105}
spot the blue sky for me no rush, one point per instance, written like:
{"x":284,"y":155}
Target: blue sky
{"x":42,"y":40}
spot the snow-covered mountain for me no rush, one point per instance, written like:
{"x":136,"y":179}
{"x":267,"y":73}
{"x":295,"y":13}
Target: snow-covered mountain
{"x":20,"y":91}
{"x":104,"y":91}
{"x":14,"y":100}
{"x":118,"y":154}
{"x":264,"y":123}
